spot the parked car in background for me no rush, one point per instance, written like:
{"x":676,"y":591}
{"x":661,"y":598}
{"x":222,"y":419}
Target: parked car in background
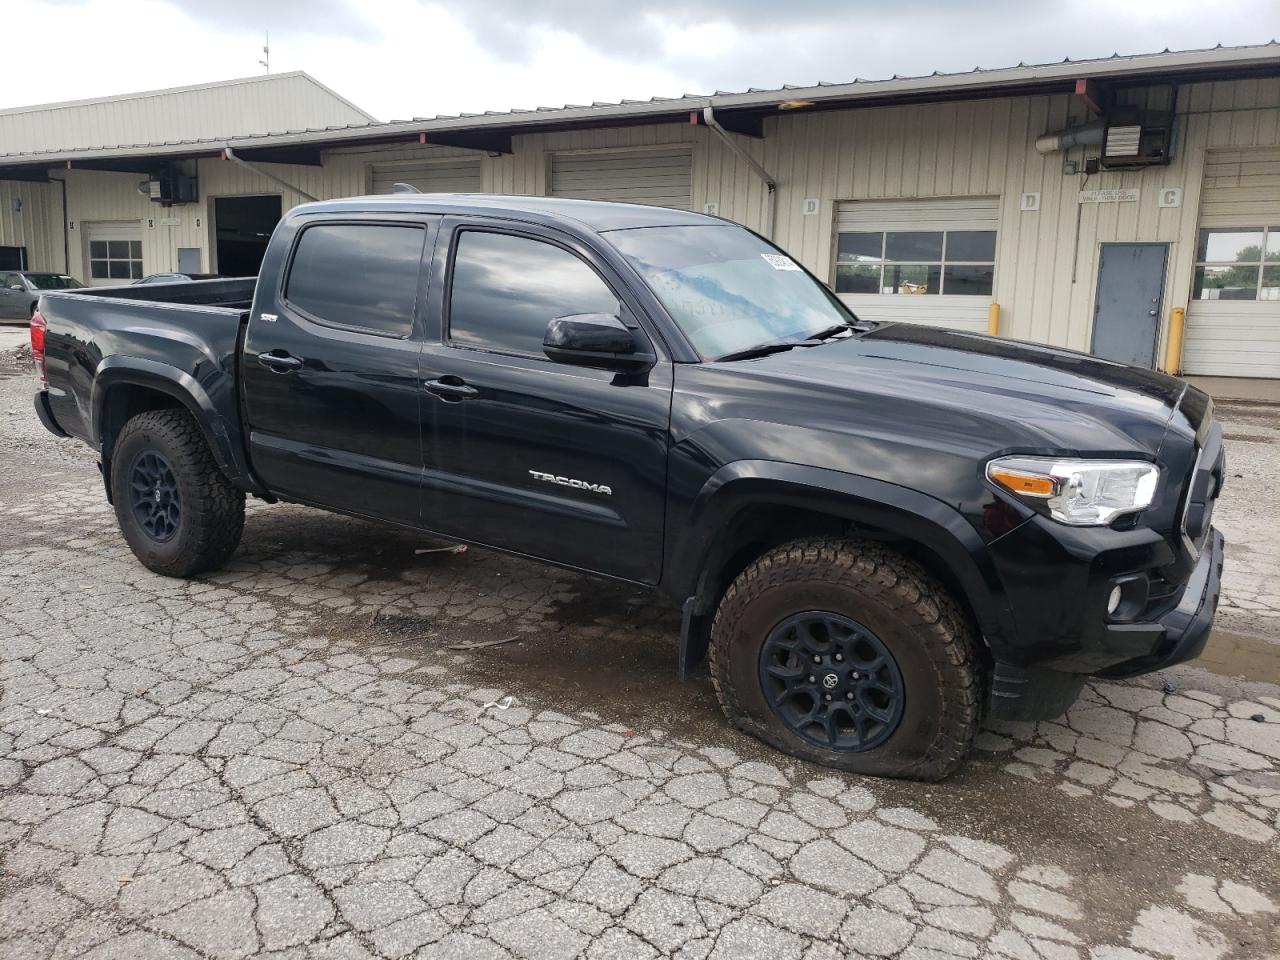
{"x":176,"y":277}
{"x":20,"y":289}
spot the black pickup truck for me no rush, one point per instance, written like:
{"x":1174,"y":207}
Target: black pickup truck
{"x":879,"y":532}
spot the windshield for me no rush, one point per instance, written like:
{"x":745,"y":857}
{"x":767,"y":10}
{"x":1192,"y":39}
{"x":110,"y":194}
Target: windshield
{"x":728,"y":289}
{"x":53,"y":281}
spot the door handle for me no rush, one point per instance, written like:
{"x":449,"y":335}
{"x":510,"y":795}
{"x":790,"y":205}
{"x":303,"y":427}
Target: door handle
{"x":451,"y":389}
{"x":280,"y":362}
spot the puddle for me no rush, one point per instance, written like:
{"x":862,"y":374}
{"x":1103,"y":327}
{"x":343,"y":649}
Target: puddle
{"x":1246,"y":656}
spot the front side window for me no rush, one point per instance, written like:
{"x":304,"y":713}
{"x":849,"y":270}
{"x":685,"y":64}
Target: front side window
{"x":53,"y":281}
{"x":726,"y":288}
{"x":951,"y":262}
{"x":361,"y":275}
{"x":115,"y":259}
{"x":507,"y":289}
{"x":1240,"y":263}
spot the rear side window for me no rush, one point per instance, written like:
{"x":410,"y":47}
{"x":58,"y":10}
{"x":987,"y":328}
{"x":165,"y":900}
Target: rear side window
{"x":506,"y":290}
{"x":362,"y":275}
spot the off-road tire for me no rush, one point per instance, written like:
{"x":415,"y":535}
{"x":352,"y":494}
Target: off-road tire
{"x":912,"y":614}
{"x":212,"y":510}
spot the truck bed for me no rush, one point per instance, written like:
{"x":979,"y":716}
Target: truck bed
{"x":235,"y":293}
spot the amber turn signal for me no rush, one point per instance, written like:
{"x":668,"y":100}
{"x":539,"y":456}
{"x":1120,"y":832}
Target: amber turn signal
{"x":1027,"y":484}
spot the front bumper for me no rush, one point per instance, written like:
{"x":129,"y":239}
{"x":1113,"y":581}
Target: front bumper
{"x":45,"y":413}
{"x":1184,"y":630}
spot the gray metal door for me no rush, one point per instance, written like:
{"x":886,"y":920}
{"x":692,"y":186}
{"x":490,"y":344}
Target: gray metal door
{"x":189,"y":260}
{"x":1126,"y":317}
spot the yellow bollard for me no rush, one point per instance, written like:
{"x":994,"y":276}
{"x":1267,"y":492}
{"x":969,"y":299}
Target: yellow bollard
{"x":993,"y":320}
{"x":1173,"y":353}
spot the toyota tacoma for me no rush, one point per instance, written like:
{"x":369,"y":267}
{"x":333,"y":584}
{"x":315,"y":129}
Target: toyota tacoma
{"x":879,"y":533}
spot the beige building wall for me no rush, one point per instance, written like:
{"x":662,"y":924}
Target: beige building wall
{"x":1046,"y":270}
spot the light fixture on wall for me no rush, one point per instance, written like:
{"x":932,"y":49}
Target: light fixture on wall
{"x":17,"y":204}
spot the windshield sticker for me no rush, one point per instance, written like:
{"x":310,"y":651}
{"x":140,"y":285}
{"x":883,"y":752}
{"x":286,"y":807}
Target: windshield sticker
{"x":779,"y":262}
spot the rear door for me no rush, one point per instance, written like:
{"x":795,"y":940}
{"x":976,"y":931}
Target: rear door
{"x":555,"y":461}
{"x":330,"y":364}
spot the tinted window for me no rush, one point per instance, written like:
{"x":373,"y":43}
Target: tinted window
{"x":358,"y":275}
{"x":507,"y":289}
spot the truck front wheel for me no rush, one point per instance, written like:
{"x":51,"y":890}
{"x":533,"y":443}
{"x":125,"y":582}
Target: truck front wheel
{"x":850,"y":655}
{"x":179,"y":514}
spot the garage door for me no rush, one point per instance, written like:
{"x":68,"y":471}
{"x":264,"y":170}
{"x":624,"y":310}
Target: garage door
{"x":1233,"y":319}
{"x":918,"y":261}
{"x":659,"y":177}
{"x":432,"y":176}
{"x":112,"y":252}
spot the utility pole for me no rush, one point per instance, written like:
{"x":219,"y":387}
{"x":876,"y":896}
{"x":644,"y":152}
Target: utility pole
{"x":265,"y":62}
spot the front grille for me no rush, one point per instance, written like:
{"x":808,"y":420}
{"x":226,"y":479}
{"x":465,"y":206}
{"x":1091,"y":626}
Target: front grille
{"x":1203,"y":490}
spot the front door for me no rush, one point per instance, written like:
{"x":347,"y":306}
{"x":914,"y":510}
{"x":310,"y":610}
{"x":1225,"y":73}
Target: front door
{"x":330,"y":365}
{"x":555,"y":461}
{"x":1126,"y":316}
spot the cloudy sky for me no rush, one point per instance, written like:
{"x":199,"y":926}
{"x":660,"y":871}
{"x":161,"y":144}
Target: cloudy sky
{"x":404,"y":58}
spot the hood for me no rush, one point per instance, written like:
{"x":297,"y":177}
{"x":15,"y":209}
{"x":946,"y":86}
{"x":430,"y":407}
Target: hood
{"x":980,"y":390}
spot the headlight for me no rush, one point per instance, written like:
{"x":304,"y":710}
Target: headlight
{"x":1083,"y":493}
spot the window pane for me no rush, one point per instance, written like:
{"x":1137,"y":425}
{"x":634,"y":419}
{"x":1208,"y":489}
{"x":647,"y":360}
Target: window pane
{"x":967,"y":281}
{"x":857,"y":278}
{"x":507,"y":289}
{"x":118,"y":269}
{"x":135,"y":269}
{"x":135,"y":249}
{"x":98,"y":269}
{"x":1270,"y":284}
{"x":98,"y":249}
{"x":118,"y":249}
{"x":974,"y":245}
{"x":358,"y":275}
{"x":912,"y":279}
{"x":1273,"y":243}
{"x":1226,"y":283}
{"x":852,"y":247}
{"x":1229,"y":246}
{"x":913,"y":246}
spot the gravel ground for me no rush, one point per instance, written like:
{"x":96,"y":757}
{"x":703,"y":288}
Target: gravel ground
{"x":291,"y":758}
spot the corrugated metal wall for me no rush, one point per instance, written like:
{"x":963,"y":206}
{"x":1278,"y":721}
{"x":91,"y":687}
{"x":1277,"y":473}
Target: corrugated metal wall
{"x":255,"y":105}
{"x":36,"y":226}
{"x":1046,"y":273}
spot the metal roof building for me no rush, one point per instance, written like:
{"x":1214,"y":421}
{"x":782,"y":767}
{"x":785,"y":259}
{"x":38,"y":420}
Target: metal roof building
{"x":1080,"y":203}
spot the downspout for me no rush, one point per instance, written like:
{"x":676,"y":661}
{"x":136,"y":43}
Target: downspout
{"x":229,"y":154}
{"x":66,"y":234}
{"x":709,"y":118}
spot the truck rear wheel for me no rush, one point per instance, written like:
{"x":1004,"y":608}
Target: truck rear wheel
{"x":850,"y":655}
{"x":178,"y":512}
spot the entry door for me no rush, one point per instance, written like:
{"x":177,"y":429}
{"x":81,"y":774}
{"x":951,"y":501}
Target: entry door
{"x":1126,"y":316}
{"x":555,"y":461}
{"x":330,"y":365}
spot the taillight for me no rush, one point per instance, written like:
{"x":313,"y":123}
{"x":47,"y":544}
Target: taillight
{"x":39,"y":326}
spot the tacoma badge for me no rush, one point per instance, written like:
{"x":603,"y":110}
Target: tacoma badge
{"x":568,"y":482}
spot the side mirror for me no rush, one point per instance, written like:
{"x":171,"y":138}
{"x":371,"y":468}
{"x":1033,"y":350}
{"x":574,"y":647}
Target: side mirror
{"x":598,"y":340}
{"x":16,"y":286}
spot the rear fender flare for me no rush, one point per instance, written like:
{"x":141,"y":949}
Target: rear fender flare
{"x":117,"y":371}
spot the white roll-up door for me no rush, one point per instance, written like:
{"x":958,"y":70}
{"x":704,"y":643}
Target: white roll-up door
{"x":430,"y":176}
{"x":1233,"y":317}
{"x":918,"y":261}
{"x":661,"y":177}
{"x":112,"y":252}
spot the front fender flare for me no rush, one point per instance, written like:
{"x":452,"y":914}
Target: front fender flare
{"x":695,"y":559}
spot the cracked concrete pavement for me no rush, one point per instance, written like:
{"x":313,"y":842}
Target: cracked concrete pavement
{"x":287,"y":759}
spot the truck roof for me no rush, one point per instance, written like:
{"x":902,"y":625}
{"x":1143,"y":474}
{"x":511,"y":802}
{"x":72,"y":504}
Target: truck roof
{"x":597,"y":215}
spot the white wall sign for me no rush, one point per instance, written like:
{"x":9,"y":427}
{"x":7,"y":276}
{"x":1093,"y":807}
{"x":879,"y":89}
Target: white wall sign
{"x":1113,"y":195}
{"x":810,"y":206}
{"x":170,"y":221}
{"x":1030,"y":202}
{"x":1171,"y":196}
